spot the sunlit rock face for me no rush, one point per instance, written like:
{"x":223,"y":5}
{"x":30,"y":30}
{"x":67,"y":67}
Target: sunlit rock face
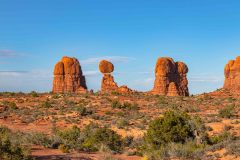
{"x":232,"y":75}
{"x":108,"y":83}
{"x":170,"y":78}
{"x":68,"y":77}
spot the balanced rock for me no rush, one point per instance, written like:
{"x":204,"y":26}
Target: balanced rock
{"x":106,"y":67}
{"x":170,"y":78}
{"x":68,"y":77}
{"x":232,"y":75}
{"x":108,"y":83}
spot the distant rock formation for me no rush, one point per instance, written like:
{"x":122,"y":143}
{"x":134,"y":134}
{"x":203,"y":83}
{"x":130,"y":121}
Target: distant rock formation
{"x":68,"y":77}
{"x":108,"y":83}
{"x":170,"y":78}
{"x":232,"y":75}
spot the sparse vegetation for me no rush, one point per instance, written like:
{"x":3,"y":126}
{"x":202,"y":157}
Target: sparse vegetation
{"x":174,"y":129}
{"x":227,"y":111}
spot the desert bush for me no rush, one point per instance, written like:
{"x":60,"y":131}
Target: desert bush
{"x":34,"y":94}
{"x":122,"y":123}
{"x":95,"y":136}
{"x":10,"y":105}
{"x":39,"y":139}
{"x":83,"y":111}
{"x":70,"y":137}
{"x":116,"y":104}
{"x":172,"y":127}
{"x":176,"y":134}
{"x":127,"y":141}
{"x":46,"y":104}
{"x":234,"y":148}
{"x":10,"y":150}
{"x":89,"y":139}
{"x":125,"y":105}
{"x":64,"y":148}
{"x":226,"y":112}
{"x":219,"y":138}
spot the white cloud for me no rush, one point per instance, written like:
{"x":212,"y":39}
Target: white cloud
{"x":110,"y":58}
{"x":205,"y":78}
{"x":9,"y":53}
{"x":91,"y":73}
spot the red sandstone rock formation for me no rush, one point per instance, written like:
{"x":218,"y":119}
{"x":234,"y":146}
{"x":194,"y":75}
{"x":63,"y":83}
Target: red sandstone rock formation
{"x":170,"y":78}
{"x":108,"y":83}
{"x":232,"y":75}
{"x":124,"y":89}
{"x":68,"y":77}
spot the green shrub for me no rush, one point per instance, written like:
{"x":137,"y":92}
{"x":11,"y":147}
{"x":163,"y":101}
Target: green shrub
{"x":226,"y":112}
{"x":83,"y":111}
{"x":46,"y":104}
{"x":177,"y":127}
{"x":64,"y":148}
{"x":121,"y":123}
{"x":116,"y":104}
{"x":173,"y":127}
{"x":10,"y":150}
{"x":34,"y":94}
{"x":234,"y":148}
{"x":219,"y":138}
{"x":70,"y":137}
{"x":39,"y":139}
{"x":10,"y":105}
{"x":95,"y":136}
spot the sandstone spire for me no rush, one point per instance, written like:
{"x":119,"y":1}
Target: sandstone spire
{"x":232,"y":75}
{"x":170,"y":78}
{"x":68,"y":77}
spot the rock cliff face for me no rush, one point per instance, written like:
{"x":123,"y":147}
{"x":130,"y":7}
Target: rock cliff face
{"x":170,"y":78}
{"x":232,"y":75}
{"x":68,"y":77}
{"x":108,"y":83}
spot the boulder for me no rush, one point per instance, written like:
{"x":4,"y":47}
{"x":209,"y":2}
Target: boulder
{"x":68,"y":77}
{"x":106,"y":67}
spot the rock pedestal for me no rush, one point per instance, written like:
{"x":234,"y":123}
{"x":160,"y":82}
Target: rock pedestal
{"x":108,"y":83}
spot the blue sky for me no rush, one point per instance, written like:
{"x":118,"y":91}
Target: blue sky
{"x":35,"y":34}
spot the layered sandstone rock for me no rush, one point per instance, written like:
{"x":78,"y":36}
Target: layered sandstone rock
{"x":124,"y":89}
{"x":170,"y":78}
{"x":232,"y":75}
{"x":68,"y":77}
{"x":108,"y":83}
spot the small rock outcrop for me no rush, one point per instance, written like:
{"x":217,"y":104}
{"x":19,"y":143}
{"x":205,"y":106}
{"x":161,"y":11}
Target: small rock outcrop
{"x":108,"y":83}
{"x":170,"y":78}
{"x":68,"y":77}
{"x":232,"y":75}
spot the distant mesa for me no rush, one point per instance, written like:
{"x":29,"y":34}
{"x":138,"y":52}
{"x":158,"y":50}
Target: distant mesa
{"x":170,"y":78}
{"x":108,"y":83}
{"x":68,"y":77}
{"x":232,"y":75}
